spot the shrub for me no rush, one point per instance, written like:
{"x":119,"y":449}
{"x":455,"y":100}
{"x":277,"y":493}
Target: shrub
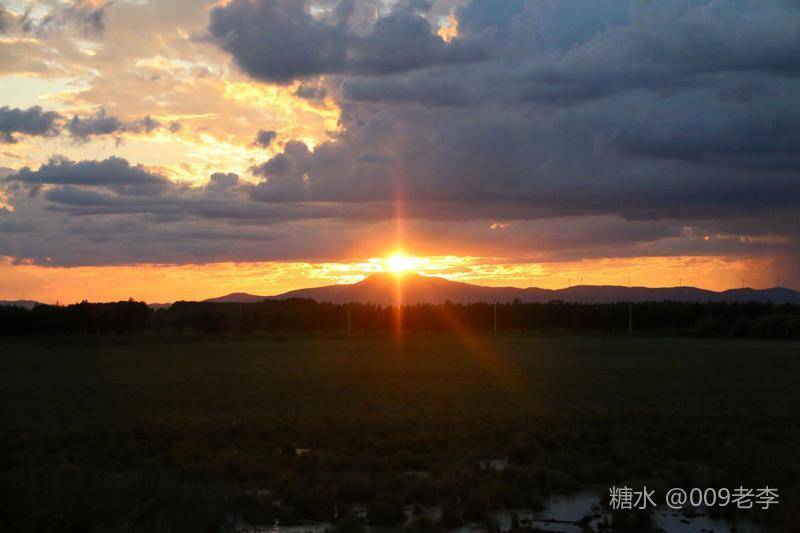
{"x":711,"y":326}
{"x":386,"y":510}
{"x":743,"y":327}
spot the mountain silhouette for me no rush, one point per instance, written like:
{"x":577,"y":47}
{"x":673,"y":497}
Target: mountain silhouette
{"x":27,"y":304}
{"x":414,"y":289}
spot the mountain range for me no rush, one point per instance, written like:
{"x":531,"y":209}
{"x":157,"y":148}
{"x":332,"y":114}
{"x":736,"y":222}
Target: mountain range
{"x":414,"y":288}
{"x":382,"y":289}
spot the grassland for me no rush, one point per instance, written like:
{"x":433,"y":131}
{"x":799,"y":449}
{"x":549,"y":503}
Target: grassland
{"x":175,"y":435}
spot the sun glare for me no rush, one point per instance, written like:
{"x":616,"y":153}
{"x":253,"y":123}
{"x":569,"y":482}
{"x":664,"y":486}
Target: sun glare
{"x":399,"y":263}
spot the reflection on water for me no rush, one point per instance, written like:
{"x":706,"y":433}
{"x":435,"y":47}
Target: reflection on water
{"x":306,"y":527}
{"x":579,"y":513}
{"x":498,"y":465}
{"x":582,"y":512}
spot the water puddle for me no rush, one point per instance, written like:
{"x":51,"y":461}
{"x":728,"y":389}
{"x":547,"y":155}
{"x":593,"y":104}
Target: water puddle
{"x":581,"y":513}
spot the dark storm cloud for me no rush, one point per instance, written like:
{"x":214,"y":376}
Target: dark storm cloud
{"x":280,"y":40}
{"x":554,"y":53}
{"x":644,"y":110}
{"x":540,"y":165}
{"x":31,"y":121}
{"x":101,"y":124}
{"x":264,"y":138}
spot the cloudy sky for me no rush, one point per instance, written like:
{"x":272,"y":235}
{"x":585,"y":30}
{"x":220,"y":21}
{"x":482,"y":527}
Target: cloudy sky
{"x":164,"y":149}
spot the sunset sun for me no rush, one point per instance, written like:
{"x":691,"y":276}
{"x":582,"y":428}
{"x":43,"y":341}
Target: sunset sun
{"x":399,"y":263}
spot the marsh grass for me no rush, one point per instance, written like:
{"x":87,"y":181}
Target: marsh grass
{"x":145,"y":434}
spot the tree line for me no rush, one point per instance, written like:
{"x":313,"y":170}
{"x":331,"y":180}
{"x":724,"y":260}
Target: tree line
{"x":754,"y":319}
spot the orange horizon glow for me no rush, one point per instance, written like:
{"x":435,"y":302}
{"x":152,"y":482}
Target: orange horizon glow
{"x":156,"y":283}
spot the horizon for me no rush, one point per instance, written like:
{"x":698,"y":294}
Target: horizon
{"x":207,"y":160}
{"x":400,"y":274}
{"x":164,"y":283}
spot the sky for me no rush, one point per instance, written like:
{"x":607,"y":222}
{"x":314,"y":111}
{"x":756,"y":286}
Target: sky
{"x":184,"y":149}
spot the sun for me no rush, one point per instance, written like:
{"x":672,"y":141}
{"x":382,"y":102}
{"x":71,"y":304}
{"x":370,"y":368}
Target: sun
{"x":399,"y":263}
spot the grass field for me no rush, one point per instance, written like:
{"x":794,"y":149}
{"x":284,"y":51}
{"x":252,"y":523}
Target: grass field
{"x":134,"y":434}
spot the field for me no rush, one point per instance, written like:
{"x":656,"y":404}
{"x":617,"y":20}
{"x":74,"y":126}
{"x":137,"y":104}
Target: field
{"x":181,"y":434}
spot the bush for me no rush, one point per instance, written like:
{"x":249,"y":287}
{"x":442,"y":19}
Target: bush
{"x":770,"y":327}
{"x":386,"y":510}
{"x":793,"y":328}
{"x":711,"y":326}
{"x":742,"y":328}
{"x":451,"y":518}
{"x":348,"y":524}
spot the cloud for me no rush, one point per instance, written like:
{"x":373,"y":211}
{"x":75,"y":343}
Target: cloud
{"x":311,"y":91}
{"x":37,"y":122}
{"x":87,"y":15}
{"x":4,"y":19}
{"x":221,"y":182}
{"x":113,"y":173}
{"x":265,"y":137}
{"x":641,"y":110}
{"x":103,"y":124}
{"x":111,"y":212}
{"x":91,"y":13}
{"x":555,"y":54}
{"x":281,"y":40}
{"x":144,"y":125}
{"x":31,"y":121}
{"x":98,"y":124}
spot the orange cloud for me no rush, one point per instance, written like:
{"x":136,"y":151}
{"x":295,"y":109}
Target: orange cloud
{"x":448,"y":29}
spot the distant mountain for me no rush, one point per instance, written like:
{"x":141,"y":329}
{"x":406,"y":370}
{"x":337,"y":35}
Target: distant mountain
{"x":238,"y":297}
{"x":27,"y":304}
{"x":414,"y":288}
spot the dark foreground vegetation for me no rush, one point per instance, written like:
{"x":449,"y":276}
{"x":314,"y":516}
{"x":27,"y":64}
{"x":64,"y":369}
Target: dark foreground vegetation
{"x":712,"y":319}
{"x":132,"y":433}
